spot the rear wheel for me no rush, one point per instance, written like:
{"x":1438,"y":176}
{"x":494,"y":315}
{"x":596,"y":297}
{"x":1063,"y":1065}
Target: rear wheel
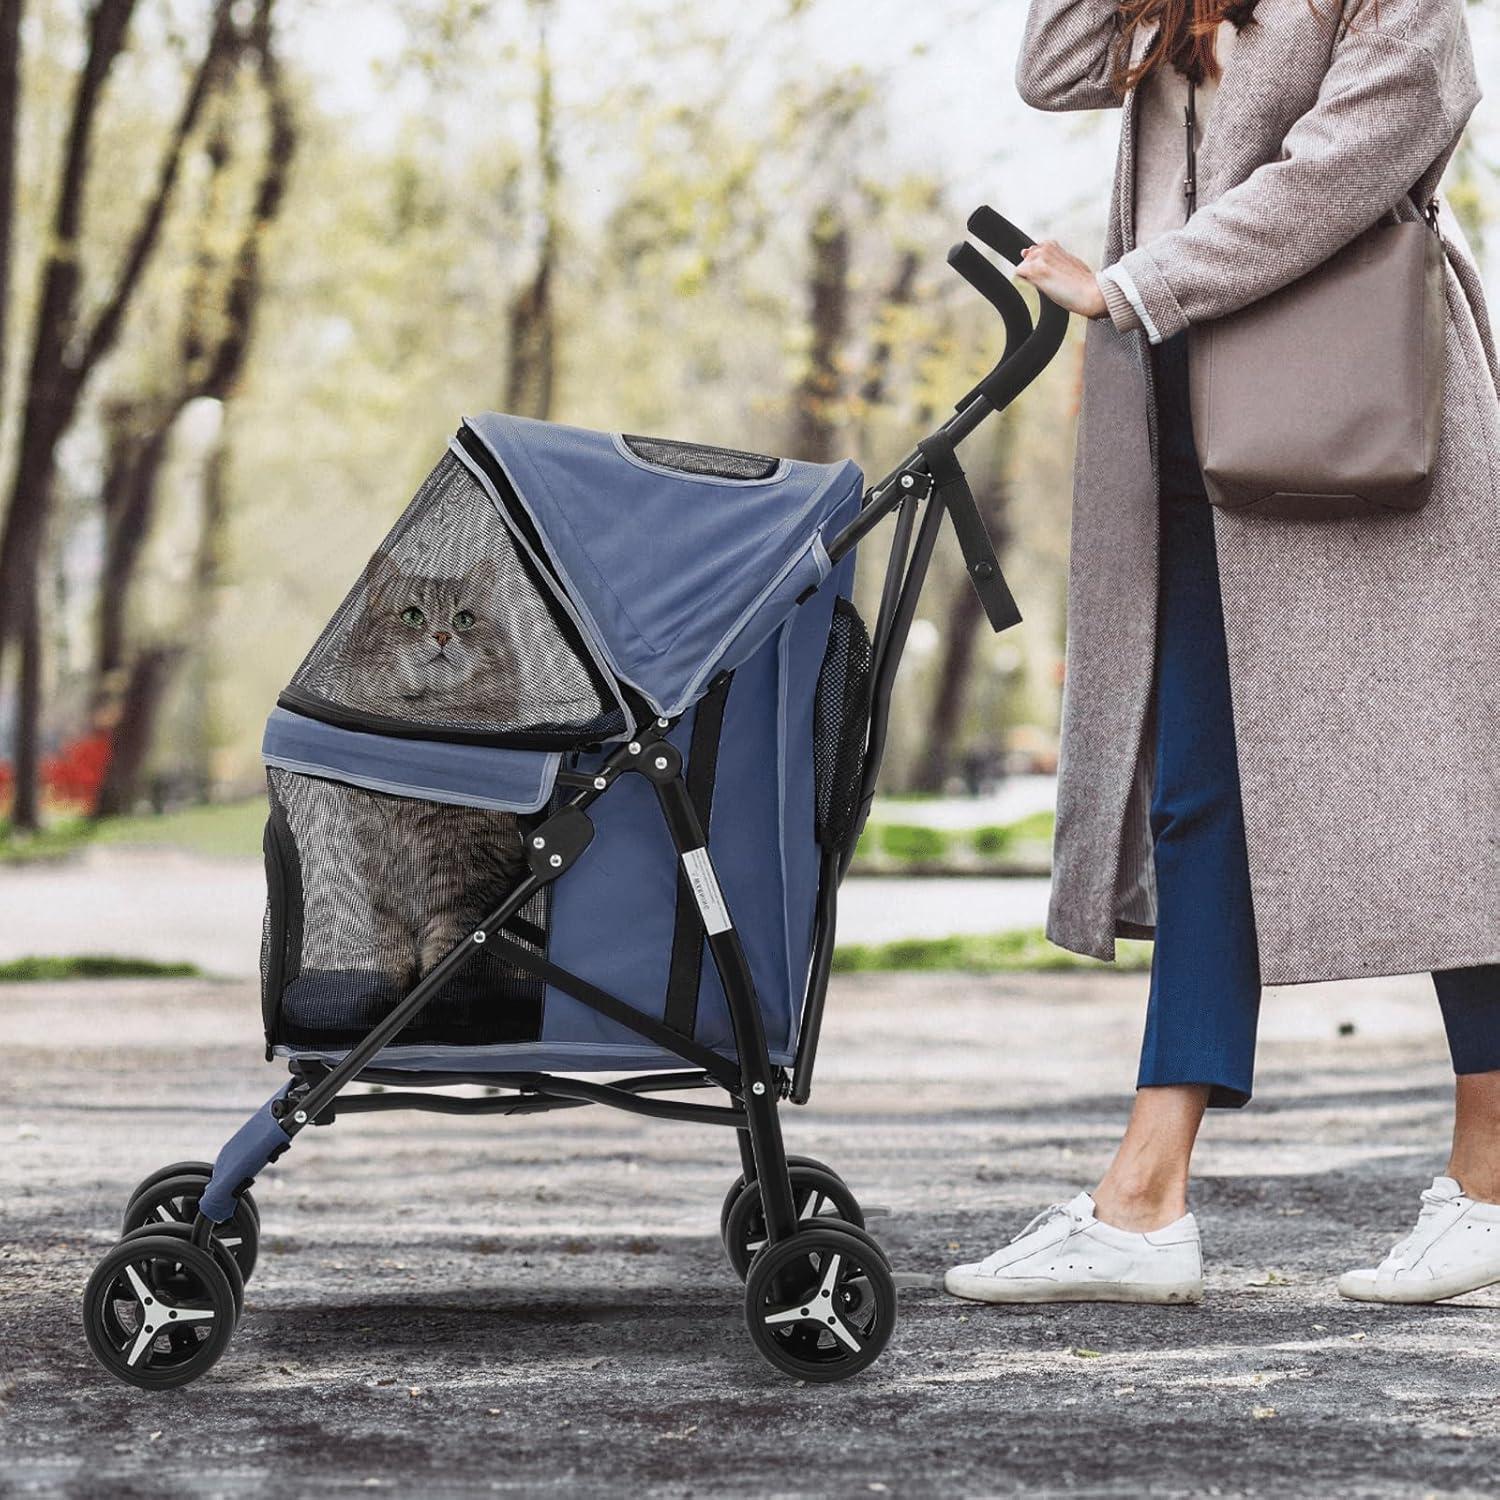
{"x":174,"y":1200}
{"x":816,"y":1193}
{"x":203,"y":1169}
{"x":158,"y":1311}
{"x":820,"y":1305}
{"x":738,"y":1185}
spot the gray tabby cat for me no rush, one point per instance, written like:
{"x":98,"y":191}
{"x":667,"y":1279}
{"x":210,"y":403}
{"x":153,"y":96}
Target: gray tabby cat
{"x":437,"y":651}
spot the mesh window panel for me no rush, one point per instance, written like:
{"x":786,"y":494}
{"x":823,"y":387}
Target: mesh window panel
{"x":840,"y":724}
{"x":695,"y":458}
{"x":450,"y":633}
{"x":367,"y":893}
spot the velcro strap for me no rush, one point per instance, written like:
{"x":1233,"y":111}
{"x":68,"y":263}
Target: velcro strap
{"x":951,"y":491}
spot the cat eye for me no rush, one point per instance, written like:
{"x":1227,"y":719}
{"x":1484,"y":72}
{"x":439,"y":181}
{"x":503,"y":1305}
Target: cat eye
{"x":414,"y":617}
{"x":462,"y":620}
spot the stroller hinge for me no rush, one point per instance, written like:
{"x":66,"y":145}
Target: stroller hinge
{"x":556,"y":843}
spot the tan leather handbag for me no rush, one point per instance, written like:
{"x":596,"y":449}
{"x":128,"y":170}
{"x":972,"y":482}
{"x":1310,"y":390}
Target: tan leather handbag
{"x":1322,"y":401}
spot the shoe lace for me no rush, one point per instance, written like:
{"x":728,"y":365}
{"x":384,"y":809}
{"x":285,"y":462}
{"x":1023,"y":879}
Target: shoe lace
{"x":1047,"y":1215}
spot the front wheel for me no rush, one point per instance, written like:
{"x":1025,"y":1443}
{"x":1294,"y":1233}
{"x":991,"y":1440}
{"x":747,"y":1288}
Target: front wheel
{"x":158,"y":1311}
{"x":820,"y":1305}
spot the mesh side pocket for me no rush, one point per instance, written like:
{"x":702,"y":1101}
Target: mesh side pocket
{"x":840,"y":723}
{"x":697,"y":458}
{"x":367,"y":893}
{"x":451,"y":634}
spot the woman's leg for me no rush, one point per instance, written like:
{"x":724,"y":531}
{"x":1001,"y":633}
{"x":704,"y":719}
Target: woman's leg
{"x":1455,"y":1246}
{"x":1199,"y":1046}
{"x":1147,"y":1183}
{"x":1470,"y":1001}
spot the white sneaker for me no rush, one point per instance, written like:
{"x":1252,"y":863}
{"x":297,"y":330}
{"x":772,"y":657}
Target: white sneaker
{"x":1066,"y":1255}
{"x":1455,"y":1248}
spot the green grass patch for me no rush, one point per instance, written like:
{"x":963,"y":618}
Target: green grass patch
{"x":218,"y":829}
{"x":56,"y":841}
{"x":92,"y":966}
{"x":912,"y":843}
{"x":1025,"y":950}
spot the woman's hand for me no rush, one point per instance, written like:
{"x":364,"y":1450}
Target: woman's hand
{"x":1067,"y":280}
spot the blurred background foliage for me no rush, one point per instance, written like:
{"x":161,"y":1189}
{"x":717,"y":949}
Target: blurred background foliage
{"x":258,"y":256}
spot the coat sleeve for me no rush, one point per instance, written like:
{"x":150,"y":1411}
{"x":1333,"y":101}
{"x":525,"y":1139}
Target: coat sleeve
{"x":1393,"y":99}
{"x":1064,"y":62}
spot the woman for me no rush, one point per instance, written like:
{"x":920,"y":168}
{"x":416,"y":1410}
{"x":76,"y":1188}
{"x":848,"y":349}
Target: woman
{"x":1281,"y":742}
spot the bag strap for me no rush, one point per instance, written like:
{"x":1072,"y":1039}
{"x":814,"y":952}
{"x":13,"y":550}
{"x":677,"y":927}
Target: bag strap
{"x":951,"y":491}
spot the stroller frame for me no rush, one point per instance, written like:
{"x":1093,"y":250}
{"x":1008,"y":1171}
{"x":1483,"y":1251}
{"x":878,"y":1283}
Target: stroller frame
{"x":928,"y":481}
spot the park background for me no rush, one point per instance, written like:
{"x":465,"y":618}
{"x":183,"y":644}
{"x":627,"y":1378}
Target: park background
{"x":256,"y":259}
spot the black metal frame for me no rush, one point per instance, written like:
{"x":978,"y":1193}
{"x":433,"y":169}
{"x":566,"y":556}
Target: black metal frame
{"x":753,"y":1082}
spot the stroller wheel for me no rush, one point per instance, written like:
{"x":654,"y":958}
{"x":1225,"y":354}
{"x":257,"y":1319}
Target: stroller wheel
{"x":158,"y":1311}
{"x":821,"y":1305}
{"x":203,"y":1169}
{"x":737,"y":1187}
{"x":222,"y":1254}
{"x":175,"y":1200}
{"x":816,"y":1192}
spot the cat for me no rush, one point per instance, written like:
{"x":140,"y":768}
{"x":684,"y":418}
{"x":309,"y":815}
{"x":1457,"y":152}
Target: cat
{"x":434,"y":650}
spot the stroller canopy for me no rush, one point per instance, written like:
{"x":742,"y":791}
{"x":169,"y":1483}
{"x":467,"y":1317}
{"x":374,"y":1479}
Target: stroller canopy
{"x":679,"y":559}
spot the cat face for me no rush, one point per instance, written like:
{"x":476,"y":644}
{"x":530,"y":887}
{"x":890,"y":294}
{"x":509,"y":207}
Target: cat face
{"x":434,"y":644}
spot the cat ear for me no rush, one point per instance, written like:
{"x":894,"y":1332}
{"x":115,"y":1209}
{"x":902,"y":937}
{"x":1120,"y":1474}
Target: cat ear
{"x":381,"y":573}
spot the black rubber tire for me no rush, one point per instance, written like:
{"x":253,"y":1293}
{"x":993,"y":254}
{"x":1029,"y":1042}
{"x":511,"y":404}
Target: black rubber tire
{"x":203,"y":1169}
{"x":177,"y":1199}
{"x":816,"y":1192}
{"x":738,"y":1185}
{"x":786,"y":1304}
{"x":222,"y":1253}
{"x":174,"y":1275}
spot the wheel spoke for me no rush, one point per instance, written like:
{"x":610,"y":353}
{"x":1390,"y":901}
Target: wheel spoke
{"x":790,"y":1315}
{"x":143,"y":1341}
{"x":192,"y":1314}
{"x":142,"y":1294}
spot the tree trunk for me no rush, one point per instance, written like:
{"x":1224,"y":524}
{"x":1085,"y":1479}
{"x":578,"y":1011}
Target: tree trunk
{"x":531,"y":377}
{"x":150,"y":676}
{"x":815,"y":430}
{"x":26,"y":809}
{"x":10,"y":110}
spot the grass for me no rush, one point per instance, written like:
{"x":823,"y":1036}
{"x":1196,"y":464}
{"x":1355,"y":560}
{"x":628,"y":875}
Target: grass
{"x":891,"y":846}
{"x":219,"y":830}
{"x":1023,"y":951}
{"x":92,"y":966}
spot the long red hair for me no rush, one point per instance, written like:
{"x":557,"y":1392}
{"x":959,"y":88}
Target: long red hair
{"x":1186,"y":38}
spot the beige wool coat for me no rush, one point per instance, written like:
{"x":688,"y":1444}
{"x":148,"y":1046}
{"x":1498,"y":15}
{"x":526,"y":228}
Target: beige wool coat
{"x":1364,"y":656}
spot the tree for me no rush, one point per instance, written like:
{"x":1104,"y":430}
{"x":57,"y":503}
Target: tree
{"x":66,"y":351}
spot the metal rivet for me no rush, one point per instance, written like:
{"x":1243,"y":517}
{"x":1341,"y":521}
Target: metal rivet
{"x":539,"y":842}
{"x":661,"y":762}
{"x":757,"y":1088}
{"x":907,"y":481}
{"x":634,"y":747}
{"x":300,"y":1117}
{"x":555,"y":861}
{"x":173,"y":1313}
{"x":661,"y":723}
{"x":600,"y":783}
{"x":480,"y":936}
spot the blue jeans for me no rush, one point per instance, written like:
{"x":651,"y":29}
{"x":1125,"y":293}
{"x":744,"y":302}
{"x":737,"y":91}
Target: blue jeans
{"x":1205,"y":969}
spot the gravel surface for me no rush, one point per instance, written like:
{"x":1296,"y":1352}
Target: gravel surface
{"x":540,"y":1306}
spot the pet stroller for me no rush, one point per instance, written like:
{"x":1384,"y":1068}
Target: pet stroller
{"x":598,"y":703}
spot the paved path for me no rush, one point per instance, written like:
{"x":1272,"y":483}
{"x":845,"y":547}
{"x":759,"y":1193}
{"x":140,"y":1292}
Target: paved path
{"x":539,"y":1306}
{"x":176,"y":907}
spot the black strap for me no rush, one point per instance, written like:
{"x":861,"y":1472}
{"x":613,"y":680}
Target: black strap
{"x":687,"y":932}
{"x":951,"y":490}
{"x":617,"y":1010}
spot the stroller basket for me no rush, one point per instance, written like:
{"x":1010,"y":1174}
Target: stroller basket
{"x":567,"y":786}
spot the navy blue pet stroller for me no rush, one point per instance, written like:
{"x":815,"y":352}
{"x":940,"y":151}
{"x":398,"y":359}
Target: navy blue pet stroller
{"x":600,"y":706}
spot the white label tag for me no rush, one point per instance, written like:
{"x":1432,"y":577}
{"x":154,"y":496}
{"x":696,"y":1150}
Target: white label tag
{"x":700,"y":874}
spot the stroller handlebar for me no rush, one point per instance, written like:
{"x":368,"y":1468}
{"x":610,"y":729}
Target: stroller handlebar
{"x":1028,"y":350}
